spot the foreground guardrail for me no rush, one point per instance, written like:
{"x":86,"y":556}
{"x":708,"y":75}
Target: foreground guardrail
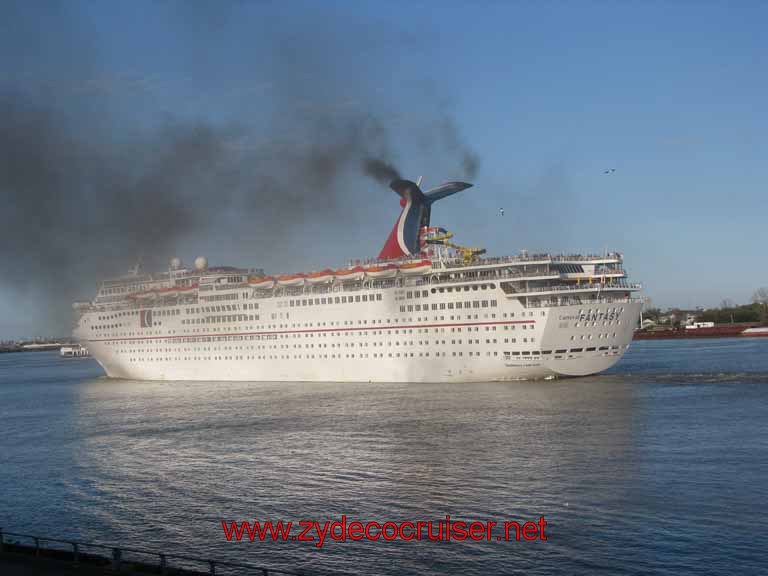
{"x":162,"y":564}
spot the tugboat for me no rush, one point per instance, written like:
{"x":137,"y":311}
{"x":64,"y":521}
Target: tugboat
{"x":74,"y":351}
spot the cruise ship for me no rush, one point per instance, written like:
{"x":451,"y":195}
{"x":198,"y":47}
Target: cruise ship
{"x":426,"y":310}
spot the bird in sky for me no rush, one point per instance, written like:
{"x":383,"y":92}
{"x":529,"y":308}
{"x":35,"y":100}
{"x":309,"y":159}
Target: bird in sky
{"x":610,"y":171}
{"x":501,"y":211}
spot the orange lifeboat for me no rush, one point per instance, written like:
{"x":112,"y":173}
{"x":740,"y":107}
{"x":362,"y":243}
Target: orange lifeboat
{"x":381,"y":271}
{"x":175,"y":290}
{"x":172,"y":291}
{"x":265,"y":283}
{"x":321,"y":277}
{"x":350,"y":274}
{"x":416,"y":268}
{"x":146,"y":295}
{"x":291,"y":280}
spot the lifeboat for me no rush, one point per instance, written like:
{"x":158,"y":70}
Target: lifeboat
{"x":265,"y":283}
{"x":291,"y":280}
{"x":174,"y":290}
{"x":416,"y":268}
{"x":381,"y":271}
{"x":322,"y":277}
{"x":146,"y":295}
{"x":350,"y":274}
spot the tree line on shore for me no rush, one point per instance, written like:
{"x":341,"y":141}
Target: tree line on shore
{"x":727,"y":313}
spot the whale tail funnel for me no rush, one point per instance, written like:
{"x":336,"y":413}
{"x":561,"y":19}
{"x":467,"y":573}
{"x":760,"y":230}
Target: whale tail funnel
{"x":403,"y":241}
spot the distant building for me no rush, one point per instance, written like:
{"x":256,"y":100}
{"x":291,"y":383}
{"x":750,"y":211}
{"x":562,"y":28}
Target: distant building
{"x":696,"y":325}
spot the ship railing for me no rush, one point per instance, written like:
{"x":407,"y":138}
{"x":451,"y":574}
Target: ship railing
{"x":78,"y":550}
{"x":436,"y":278}
{"x":577,"y":288}
{"x":531,"y":258}
{"x":571,"y":301}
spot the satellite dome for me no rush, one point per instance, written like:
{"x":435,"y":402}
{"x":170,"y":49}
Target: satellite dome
{"x":175,"y":263}
{"x":201,"y":263}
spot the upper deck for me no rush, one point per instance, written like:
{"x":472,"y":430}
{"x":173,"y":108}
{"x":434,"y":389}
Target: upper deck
{"x":535,"y":279}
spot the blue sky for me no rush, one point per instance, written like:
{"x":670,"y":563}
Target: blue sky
{"x":547,"y":94}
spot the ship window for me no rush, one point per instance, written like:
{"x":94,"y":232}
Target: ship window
{"x":378,"y":296}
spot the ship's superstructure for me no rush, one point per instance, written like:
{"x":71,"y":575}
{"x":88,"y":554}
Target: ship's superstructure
{"x":427,"y":310}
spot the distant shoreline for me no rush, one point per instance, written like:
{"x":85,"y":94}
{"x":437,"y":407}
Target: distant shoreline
{"x":43,"y":347}
{"x":717,"y":331}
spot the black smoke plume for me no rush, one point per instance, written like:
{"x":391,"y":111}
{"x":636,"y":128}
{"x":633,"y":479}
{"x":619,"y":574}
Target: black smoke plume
{"x":81,"y":201}
{"x":380,"y":170}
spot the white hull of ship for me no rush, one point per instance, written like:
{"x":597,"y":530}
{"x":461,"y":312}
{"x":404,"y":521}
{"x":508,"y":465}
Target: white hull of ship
{"x":255,"y":353}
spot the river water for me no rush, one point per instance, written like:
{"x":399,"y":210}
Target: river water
{"x":658,"y":466}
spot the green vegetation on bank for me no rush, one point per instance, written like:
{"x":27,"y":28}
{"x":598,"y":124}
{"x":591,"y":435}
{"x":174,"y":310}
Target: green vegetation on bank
{"x":726,"y":313}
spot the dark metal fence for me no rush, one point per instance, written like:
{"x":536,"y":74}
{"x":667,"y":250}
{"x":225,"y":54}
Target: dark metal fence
{"x":161,"y":563}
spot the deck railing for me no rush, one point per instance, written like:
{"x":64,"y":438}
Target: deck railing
{"x":162,"y":560}
{"x":436,"y":277}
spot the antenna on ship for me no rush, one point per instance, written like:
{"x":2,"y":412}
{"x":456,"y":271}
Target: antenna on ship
{"x":418,"y":182}
{"x":137,"y":268}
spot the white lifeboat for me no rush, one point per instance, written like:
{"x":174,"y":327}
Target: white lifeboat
{"x":322,"y":277}
{"x":291,"y":280}
{"x":265,"y":283}
{"x":381,"y":271}
{"x":416,"y":268}
{"x":350,"y":274}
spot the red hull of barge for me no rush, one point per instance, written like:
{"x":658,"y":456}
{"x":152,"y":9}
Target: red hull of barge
{"x":715,"y":332}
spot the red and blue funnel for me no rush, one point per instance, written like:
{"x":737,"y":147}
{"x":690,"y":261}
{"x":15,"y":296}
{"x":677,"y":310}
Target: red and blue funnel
{"x":403,"y":241}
